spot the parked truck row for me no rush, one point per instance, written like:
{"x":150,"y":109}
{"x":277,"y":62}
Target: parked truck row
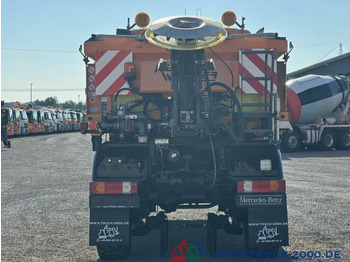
{"x":22,"y":120}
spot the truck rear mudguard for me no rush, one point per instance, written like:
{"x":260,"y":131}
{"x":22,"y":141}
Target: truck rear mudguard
{"x":110,"y":219}
{"x":266,"y":226}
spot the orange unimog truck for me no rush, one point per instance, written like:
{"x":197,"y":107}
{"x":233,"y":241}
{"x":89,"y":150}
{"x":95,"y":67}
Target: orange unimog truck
{"x":32,"y":120}
{"x":60,"y":120}
{"x":185,"y":114}
{"x":16,"y":122}
{"x":80,"y":118}
{"x":67,"y":120}
{"x":41,"y":120}
{"x":74,"y":120}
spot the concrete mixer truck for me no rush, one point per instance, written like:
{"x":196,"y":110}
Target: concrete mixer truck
{"x":319,"y":113}
{"x":184,"y":115}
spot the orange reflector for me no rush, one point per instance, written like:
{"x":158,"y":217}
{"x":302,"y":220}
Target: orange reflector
{"x":129,"y":67}
{"x":92,"y":126}
{"x":113,"y":188}
{"x":261,"y":186}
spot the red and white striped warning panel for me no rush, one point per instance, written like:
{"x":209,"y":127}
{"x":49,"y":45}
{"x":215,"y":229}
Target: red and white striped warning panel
{"x":109,"y":67}
{"x":257,"y":68}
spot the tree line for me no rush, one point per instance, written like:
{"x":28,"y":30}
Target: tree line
{"x":69,"y":104}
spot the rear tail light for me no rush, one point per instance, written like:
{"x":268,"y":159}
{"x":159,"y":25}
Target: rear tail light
{"x":113,"y":188}
{"x":261,"y":186}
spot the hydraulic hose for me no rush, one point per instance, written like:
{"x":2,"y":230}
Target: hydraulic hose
{"x":145,"y":101}
{"x":236,"y":103}
{"x":214,"y":162}
{"x":119,"y":91}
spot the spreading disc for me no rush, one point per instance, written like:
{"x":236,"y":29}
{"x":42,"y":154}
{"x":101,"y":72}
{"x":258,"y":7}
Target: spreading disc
{"x":185,"y":33}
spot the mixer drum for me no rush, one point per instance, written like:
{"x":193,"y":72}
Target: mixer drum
{"x":312,"y":97}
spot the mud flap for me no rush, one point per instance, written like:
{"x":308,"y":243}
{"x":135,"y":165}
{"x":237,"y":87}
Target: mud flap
{"x":267,"y":227}
{"x":110,"y":219}
{"x":109,"y":226}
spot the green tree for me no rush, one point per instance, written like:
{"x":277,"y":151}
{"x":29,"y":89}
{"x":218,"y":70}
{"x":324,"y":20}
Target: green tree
{"x":51,"y":101}
{"x":39,"y":102}
{"x":69,"y":104}
{"x":81,"y":106}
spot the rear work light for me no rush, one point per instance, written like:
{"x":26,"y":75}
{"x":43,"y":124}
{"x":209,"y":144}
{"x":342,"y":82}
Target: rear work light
{"x":261,"y":186}
{"x":106,"y":188}
{"x":89,"y":126}
{"x":93,"y":126}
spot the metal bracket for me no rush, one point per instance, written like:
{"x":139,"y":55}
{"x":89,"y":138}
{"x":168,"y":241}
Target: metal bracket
{"x":216,"y":222}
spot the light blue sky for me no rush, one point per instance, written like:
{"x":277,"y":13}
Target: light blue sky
{"x":40,"y":38}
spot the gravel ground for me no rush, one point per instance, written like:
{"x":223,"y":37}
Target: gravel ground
{"x":44,"y":205}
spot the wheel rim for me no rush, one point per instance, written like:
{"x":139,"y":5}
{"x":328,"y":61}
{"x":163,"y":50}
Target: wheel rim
{"x":346,"y":140}
{"x":292,"y":142}
{"x":328,"y":140}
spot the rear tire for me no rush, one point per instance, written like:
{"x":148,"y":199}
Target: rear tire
{"x":291,"y":142}
{"x":328,"y":140}
{"x":113,"y":252}
{"x":343,"y":141}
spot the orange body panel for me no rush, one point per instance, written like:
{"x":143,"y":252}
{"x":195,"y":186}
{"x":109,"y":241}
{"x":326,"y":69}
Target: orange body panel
{"x":284,"y":116}
{"x":41,"y":128}
{"x":10,"y":129}
{"x":146,"y":57}
{"x":32,"y":128}
{"x":17,"y":129}
{"x":65,"y":120}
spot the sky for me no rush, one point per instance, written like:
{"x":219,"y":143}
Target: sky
{"x":40,"y":38}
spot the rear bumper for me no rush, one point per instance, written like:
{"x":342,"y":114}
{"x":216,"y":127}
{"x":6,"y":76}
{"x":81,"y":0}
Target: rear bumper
{"x":114,"y":201}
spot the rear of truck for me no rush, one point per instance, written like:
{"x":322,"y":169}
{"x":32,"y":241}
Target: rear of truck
{"x":185,"y":122}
